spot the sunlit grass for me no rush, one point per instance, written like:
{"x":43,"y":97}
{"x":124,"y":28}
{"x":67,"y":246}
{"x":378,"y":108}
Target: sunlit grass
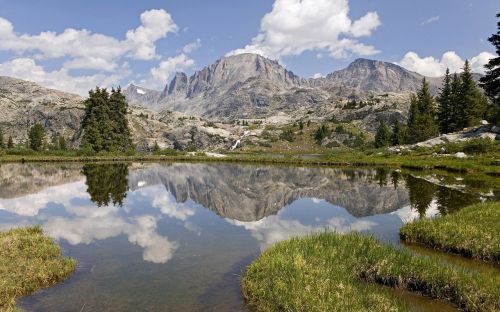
{"x":472,"y":232}
{"x":333,"y":272}
{"x":29,"y":261}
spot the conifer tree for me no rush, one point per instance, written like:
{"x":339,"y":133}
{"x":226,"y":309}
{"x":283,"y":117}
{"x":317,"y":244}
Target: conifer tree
{"x":445,"y":104}
{"x":474,"y":102}
{"x":456,"y":108}
{"x":421,"y":123}
{"x":2,"y":142}
{"x":491,"y":81}
{"x":10,"y":142}
{"x":105,"y":125}
{"x":398,"y":133}
{"x":62,"y":143}
{"x":36,"y":137}
{"x":383,"y":136}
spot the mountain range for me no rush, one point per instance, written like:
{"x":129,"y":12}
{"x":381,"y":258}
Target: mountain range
{"x":250,"y":86}
{"x":200,"y":109}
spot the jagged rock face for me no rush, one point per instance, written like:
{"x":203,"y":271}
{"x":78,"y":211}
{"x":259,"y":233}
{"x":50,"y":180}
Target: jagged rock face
{"x":25,"y":103}
{"x":141,"y":96}
{"x":252,"y":86}
{"x":250,"y":193}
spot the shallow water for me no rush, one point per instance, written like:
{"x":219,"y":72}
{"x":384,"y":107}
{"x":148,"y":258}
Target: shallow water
{"x":177,"y":237}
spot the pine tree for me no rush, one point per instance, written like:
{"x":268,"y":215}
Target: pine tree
{"x":36,"y":137}
{"x":10,"y":142}
{"x":383,"y":136}
{"x":456,"y":107}
{"x":474,"y":103}
{"x":421,"y":123}
{"x":105,"y":124}
{"x":444,"y":101}
{"x":398,"y":133}
{"x":62,"y":143}
{"x":54,"y":144}
{"x":491,"y":81}
{"x":2,"y":142}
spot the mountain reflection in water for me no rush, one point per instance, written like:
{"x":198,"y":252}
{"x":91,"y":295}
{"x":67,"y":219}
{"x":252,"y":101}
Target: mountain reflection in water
{"x":179,"y":234}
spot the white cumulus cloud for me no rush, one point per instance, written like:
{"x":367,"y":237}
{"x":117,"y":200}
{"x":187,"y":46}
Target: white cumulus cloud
{"x":296,"y":26}
{"x":28,"y":69}
{"x":435,"y":67}
{"x":105,"y":55}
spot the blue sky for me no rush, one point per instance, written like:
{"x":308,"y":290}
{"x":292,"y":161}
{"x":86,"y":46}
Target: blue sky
{"x":75,"y":45}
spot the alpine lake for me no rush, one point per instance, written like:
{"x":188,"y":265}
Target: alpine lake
{"x":178,"y":236}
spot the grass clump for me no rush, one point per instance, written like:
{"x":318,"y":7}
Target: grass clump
{"x":333,"y":272}
{"x":29,"y":261}
{"x":471,"y":232}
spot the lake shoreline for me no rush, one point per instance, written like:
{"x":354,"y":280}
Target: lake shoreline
{"x":484,"y":164}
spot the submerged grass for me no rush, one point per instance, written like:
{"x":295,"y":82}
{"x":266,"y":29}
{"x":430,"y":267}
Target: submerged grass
{"x":29,"y":261}
{"x":472,"y":232}
{"x":333,"y":272}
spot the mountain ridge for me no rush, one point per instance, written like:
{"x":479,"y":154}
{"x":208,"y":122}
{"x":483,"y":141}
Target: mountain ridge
{"x":241,"y":85}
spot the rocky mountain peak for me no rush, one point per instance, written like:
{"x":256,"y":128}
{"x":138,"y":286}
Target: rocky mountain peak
{"x":137,"y":95}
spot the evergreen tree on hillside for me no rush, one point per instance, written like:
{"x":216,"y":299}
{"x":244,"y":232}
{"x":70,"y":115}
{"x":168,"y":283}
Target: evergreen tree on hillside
{"x":2,"y":142}
{"x":445,"y":105}
{"x":105,"y":125}
{"x":421,"y":123}
{"x":62,"y":143}
{"x":10,"y":142}
{"x":36,"y":137}
{"x":474,"y":102}
{"x":118,"y":115}
{"x":398,"y":133}
{"x":383,"y":135}
{"x":491,"y":81}
{"x":456,"y":108}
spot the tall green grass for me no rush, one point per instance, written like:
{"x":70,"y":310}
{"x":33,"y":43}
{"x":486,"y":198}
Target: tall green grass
{"x":29,"y":261}
{"x":333,"y":272}
{"x":472,"y":232}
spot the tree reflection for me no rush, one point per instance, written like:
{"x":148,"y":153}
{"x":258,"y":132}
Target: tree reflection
{"x":381,"y":176}
{"x":106,"y":183}
{"x":450,"y":200}
{"x":421,"y":193}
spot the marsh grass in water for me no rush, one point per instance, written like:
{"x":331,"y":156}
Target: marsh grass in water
{"x":334,"y":272}
{"x":471,"y":232}
{"x":29,"y":261}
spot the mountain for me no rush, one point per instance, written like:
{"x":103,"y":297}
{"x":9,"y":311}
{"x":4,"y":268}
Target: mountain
{"x":252,"y":86}
{"x":377,"y":76}
{"x":141,"y":96}
{"x":24,"y":103}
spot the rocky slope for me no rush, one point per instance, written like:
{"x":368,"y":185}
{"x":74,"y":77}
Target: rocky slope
{"x":25,"y":103}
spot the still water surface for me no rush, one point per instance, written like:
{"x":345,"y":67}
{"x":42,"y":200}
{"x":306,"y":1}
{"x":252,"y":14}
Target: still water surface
{"x":176,"y":237}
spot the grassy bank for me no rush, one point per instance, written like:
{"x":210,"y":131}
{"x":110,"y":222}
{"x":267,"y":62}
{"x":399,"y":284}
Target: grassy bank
{"x":29,"y":261}
{"x":471,"y":232}
{"x":333,"y":272}
{"x":483,"y":164}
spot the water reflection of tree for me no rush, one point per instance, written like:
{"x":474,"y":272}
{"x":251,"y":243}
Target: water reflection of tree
{"x":381,"y":176}
{"x":421,"y":193}
{"x":106,"y":183}
{"x":448,"y":200}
